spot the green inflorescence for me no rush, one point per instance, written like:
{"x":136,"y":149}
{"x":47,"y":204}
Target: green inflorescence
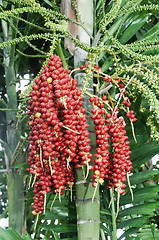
{"x":130,"y":53}
{"x":144,"y":45}
{"x":145,"y":83}
{"x":111,"y":15}
{"x":149,"y":77}
{"x":25,"y":39}
{"x":134,"y":6}
{"x":153,"y":129}
{"x":148,"y":94}
{"x":74,"y":4}
{"x":140,"y":8}
{"x":25,"y":94}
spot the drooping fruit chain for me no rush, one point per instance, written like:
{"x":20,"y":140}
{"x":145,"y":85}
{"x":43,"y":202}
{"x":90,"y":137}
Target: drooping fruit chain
{"x":102,"y":153}
{"x":58,"y":136}
{"x":119,"y":159}
{"x":115,"y":165}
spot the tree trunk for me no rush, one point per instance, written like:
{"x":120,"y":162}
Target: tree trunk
{"x":15,"y":187}
{"x":88,"y":212}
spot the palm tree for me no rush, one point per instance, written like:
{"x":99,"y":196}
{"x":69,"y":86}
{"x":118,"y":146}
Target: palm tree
{"x":121,"y":37}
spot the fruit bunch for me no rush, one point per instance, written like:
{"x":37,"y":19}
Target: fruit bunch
{"x":112,"y":165}
{"x":102,"y":153}
{"x":119,"y":163}
{"x":59,"y":138}
{"x":58,"y":135}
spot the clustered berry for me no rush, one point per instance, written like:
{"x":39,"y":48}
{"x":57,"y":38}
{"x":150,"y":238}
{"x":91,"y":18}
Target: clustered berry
{"x":102,"y":153}
{"x":119,"y":163}
{"x":115,"y":164}
{"x":59,"y":138}
{"x":130,"y":113}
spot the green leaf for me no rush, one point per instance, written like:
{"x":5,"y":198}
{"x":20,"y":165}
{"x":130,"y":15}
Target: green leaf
{"x":49,"y":3}
{"x":134,"y":27}
{"x":105,"y":220}
{"x":102,"y":234}
{"x":61,"y":210}
{"x":22,"y":166}
{"x":105,"y":212}
{"x":135,"y":222}
{"x":53,"y":216}
{"x":9,"y":234}
{"x":143,"y":194}
{"x":154,"y":230}
{"x":154,"y":29}
{"x":132,"y":238}
{"x":55,"y":235}
{"x":144,"y":153}
{"x":63,"y":228}
{"x":27,"y":237}
{"x":141,"y":132}
{"x":142,"y":176}
{"x":105,"y":229}
{"x":112,"y":30}
{"x":129,"y":18}
{"x":72,"y":238}
{"x":145,"y":209}
{"x":128,"y":232}
{"x":146,"y":233}
{"x":107,"y":64}
{"x":45,"y":238}
{"x":98,"y":4}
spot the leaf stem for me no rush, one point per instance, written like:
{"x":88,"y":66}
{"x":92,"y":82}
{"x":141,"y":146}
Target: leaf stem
{"x":131,"y":191}
{"x":71,"y":129}
{"x":53,"y":202}
{"x":95,"y":190}
{"x":36,"y":222}
{"x":44,"y":202}
{"x":133,"y":131}
{"x":113,"y":218}
{"x":60,"y":53}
